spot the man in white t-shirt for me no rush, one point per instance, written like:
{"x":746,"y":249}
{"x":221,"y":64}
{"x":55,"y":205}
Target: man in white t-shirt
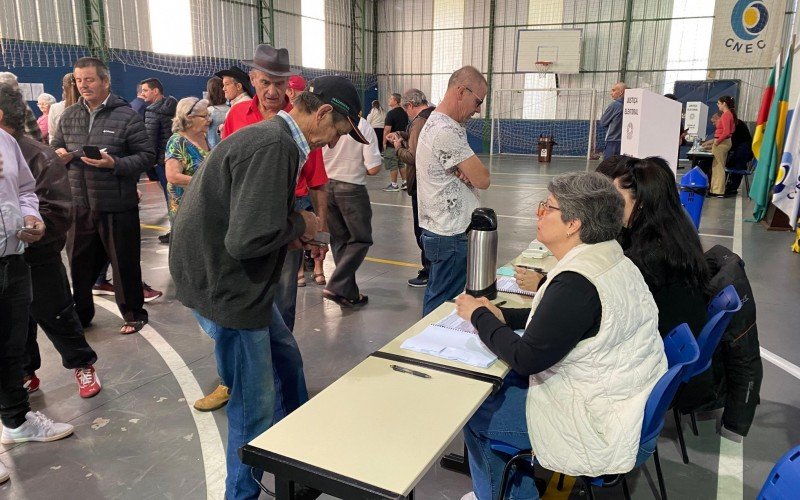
{"x":448,"y":177}
{"x":349,"y":212}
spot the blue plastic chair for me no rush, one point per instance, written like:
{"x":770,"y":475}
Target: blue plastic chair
{"x":783,"y":481}
{"x":720,"y":313}
{"x":725,"y":300}
{"x":744,"y":172}
{"x":681,"y":350}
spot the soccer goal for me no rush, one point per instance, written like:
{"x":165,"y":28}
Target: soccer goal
{"x":520,"y":116}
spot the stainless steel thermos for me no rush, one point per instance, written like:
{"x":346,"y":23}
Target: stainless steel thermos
{"x":482,"y":254}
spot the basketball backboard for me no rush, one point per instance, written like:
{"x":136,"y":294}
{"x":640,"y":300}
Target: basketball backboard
{"x":561,"y":47}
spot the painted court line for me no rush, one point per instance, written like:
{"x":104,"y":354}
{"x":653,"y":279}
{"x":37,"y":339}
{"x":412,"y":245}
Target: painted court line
{"x":781,"y":363}
{"x":730,"y":472}
{"x":392,"y":262}
{"x":715,"y":235}
{"x":730,"y":468}
{"x":409,"y":206}
{"x":207,"y":430}
{"x":553,"y":493}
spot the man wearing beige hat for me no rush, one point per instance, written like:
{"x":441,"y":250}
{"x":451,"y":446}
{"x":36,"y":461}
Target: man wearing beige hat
{"x":239,"y":220}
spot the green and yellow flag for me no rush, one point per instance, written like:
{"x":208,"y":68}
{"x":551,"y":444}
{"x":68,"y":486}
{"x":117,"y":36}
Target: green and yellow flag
{"x":771,"y":149}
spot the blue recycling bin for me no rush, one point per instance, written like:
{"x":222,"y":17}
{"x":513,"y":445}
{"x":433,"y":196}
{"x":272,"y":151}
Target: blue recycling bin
{"x":693,"y":188}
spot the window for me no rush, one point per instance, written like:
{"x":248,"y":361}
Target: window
{"x":689,"y":42}
{"x":171,"y":27}
{"x":448,"y":44}
{"x":313,"y":26}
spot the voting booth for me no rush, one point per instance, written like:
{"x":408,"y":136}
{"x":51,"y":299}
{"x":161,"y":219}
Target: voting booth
{"x":696,"y":119}
{"x":651,"y":126}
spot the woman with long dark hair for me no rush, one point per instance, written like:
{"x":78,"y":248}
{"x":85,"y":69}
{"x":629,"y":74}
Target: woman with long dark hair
{"x":722,"y":144}
{"x":217,"y":109}
{"x":659,"y":238}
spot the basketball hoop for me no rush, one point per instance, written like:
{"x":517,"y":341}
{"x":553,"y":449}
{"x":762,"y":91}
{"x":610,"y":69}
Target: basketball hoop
{"x":543,"y":66}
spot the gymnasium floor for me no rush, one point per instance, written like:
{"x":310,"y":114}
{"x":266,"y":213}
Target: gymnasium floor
{"x":139,"y":438}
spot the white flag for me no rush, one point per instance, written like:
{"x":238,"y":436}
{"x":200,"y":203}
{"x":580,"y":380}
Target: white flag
{"x":746,"y":33}
{"x":787,"y":181}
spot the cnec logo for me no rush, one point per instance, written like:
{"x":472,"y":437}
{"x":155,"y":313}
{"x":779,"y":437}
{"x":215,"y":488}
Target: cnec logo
{"x":748,"y":19}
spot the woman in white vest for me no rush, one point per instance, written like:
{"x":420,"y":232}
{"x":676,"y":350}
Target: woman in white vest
{"x":588,"y":359}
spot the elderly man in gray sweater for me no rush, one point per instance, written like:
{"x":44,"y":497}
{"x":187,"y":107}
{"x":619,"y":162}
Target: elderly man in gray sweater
{"x":229,"y":241}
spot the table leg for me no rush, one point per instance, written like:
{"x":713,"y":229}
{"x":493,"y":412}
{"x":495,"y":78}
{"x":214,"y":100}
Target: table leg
{"x":455,"y":462}
{"x":284,"y":489}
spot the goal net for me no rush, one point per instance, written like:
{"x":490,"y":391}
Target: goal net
{"x":520,"y":116}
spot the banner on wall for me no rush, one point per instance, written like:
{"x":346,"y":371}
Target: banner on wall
{"x":746,"y":33}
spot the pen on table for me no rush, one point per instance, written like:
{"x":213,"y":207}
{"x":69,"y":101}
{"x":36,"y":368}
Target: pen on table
{"x":501,"y":303}
{"x":402,"y":369}
{"x":532,"y":268}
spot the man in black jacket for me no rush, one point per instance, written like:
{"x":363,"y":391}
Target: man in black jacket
{"x":52,"y":306}
{"x":106,"y":213}
{"x":158,"y":121}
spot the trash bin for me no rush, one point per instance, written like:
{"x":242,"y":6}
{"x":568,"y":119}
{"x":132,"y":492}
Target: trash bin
{"x":546,"y":143}
{"x":693,"y":189}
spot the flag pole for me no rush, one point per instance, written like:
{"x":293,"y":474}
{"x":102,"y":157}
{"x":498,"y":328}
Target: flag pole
{"x":775,"y":219}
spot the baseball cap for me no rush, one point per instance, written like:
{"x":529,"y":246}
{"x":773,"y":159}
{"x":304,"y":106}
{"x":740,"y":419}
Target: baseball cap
{"x":340,"y":93}
{"x":297,"y":82}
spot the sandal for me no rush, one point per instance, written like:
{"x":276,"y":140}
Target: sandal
{"x":344,"y":301}
{"x":301,"y":281}
{"x":319,"y":279}
{"x":136,"y":325}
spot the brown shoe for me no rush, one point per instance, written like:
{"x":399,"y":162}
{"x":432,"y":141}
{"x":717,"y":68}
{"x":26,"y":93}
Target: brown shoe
{"x":213,"y":401}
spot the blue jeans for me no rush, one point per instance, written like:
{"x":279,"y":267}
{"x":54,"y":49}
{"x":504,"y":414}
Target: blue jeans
{"x":612,"y":148}
{"x":448,"y":272}
{"x":286,"y":291}
{"x":501,"y":417}
{"x":161,"y":171}
{"x":245,"y":360}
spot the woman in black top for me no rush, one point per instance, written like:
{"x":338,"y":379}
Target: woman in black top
{"x":660,"y":239}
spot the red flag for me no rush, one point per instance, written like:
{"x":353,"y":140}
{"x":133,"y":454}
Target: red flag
{"x":763,"y":114}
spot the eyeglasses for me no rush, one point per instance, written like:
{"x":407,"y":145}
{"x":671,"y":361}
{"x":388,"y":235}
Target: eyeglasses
{"x":478,"y":101}
{"x":192,"y":109}
{"x":544,"y":207}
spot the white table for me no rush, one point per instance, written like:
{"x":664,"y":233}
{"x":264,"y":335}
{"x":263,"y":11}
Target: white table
{"x":371,"y":434}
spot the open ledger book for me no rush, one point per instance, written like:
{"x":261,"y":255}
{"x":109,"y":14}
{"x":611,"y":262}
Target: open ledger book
{"x":509,"y":285}
{"x":452,"y":338}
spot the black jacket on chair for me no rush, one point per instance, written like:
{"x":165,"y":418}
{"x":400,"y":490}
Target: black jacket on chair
{"x":118,"y":129}
{"x":736,"y":366}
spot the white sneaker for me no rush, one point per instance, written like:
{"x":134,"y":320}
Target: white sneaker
{"x":469,"y":496}
{"x":3,"y":473}
{"x":37,"y":428}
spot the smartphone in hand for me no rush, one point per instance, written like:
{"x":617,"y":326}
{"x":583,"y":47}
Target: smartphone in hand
{"x":92,"y":152}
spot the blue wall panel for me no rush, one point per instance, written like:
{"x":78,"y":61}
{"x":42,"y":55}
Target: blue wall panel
{"x":522,"y":136}
{"x":125,"y":77}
